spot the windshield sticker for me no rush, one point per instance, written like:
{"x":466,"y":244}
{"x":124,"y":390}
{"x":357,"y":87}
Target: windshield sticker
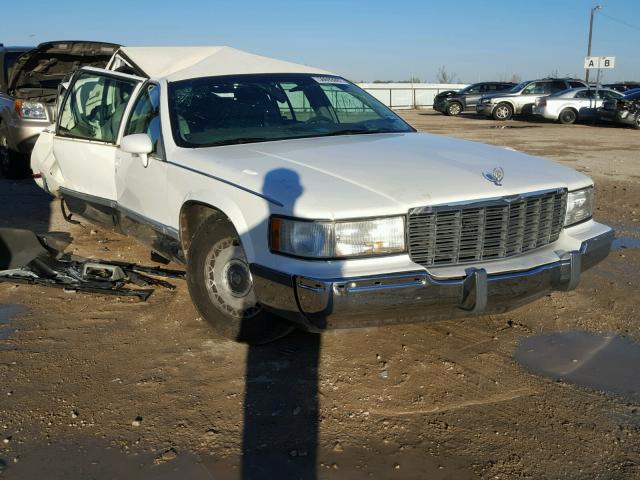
{"x":336,"y":80}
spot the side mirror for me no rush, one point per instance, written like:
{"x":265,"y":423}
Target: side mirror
{"x":138,"y":144}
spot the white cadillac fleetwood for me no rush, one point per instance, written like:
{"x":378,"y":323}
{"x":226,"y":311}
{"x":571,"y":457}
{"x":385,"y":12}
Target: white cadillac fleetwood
{"x":294,"y":197}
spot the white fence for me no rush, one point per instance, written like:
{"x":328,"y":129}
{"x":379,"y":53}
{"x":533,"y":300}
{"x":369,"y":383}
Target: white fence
{"x":408,"y":95}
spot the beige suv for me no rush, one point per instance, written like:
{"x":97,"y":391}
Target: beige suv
{"x":29,"y":104}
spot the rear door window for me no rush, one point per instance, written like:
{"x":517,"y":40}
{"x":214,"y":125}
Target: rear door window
{"x":94,"y":107}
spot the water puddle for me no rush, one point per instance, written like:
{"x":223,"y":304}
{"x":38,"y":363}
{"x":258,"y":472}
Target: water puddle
{"x":621,"y":243}
{"x":603,"y":362}
{"x":7,"y":313}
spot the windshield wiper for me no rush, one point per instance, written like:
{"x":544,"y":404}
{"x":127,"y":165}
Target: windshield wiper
{"x":238,"y":141}
{"x":352,"y":131}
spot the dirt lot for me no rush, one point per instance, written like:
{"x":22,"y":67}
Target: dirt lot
{"x":445,"y":400}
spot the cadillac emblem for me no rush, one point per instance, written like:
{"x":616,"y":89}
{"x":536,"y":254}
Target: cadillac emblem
{"x":495,"y":176}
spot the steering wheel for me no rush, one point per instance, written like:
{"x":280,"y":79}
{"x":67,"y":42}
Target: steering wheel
{"x":319,"y":119}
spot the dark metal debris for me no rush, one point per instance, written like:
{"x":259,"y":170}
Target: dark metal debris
{"x":39,"y":260}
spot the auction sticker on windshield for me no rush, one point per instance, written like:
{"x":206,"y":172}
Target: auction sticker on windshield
{"x":337,"y":80}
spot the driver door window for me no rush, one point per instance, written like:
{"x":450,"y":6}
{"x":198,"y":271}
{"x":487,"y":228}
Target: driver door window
{"x":94,"y":108}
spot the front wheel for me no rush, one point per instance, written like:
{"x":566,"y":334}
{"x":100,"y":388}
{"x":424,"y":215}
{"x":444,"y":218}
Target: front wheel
{"x":503,"y":111}
{"x":454,"y":109}
{"x":221,"y":286}
{"x":636,"y":124}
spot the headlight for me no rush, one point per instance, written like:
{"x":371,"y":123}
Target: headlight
{"x":579,"y":206}
{"x":31,"y":110}
{"x":338,"y":239}
{"x":485,"y":100}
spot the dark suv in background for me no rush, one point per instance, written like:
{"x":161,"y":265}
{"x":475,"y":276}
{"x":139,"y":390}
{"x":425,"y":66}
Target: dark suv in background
{"x":625,"y":110}
{"x":454,"y":103}
{"x":521,"y":98}
{"x":8,"y":57}
{"x":623,"y":87}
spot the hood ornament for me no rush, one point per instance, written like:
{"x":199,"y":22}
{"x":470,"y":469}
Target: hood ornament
{"x":495,"y":176}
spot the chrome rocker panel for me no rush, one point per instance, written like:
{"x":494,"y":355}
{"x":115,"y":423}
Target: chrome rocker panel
{"x":321,"y":304}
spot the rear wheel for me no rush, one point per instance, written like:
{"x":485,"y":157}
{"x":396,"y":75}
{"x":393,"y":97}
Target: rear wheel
{"x":568,"y":116}
{"x":503,"y":111}
{"x":221,"y":286}
{"x":454,"y":108}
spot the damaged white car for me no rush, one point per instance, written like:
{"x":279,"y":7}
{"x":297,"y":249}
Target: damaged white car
{"x":294,"y":197}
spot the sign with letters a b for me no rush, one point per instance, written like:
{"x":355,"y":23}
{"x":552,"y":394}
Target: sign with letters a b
{"x":599,"y":62}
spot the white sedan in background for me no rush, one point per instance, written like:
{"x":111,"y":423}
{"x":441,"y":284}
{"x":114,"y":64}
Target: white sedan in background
{"x":570,"y":106}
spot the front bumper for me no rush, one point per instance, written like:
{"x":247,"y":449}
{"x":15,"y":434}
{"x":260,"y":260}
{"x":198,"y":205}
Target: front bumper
{"x":618,"y":116}
{"x":485,"y":109}
{"x":406,"y":297}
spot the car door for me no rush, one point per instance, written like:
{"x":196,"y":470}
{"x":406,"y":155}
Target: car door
{"x":473,"y":95}
{"x":88,"y":132}
{"x":141,"y":183}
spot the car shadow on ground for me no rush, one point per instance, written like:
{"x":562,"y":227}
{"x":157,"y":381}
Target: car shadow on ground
{"x":24,"y":205}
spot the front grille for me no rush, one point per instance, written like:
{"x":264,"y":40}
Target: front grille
{"x":489,"y":230}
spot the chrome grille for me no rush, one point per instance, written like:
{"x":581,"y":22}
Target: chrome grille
{"x":447,"y":235}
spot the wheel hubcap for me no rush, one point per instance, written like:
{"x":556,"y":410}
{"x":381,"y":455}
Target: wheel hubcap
{"x":237,"y":278}
{"x":228,"y":280}
{"x":454,"y":109}
{"x":502,"y":112}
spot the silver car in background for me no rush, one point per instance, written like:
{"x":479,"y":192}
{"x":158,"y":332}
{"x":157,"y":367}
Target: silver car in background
{"x":573,"y":105}
{"x":521,"y":98}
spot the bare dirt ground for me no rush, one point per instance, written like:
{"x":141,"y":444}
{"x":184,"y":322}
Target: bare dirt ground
{"x":443,"y":400}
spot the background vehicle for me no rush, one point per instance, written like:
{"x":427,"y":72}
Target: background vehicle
{"x":570,"y":106}
{"x":521,"y":98}
{"x":8,"y":56}
{"x":622,"y":87}
{"x":29,"y":104}
{"x":454,"y":103}
{"x":625,"y":110}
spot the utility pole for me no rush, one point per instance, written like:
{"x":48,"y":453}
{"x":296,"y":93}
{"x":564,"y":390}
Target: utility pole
{"x":594,"y":9}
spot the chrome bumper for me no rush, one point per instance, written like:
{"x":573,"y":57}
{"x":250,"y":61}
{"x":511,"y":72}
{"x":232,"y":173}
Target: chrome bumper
{"x":320,"y":304}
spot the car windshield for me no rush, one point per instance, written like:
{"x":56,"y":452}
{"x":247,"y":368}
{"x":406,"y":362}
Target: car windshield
{"x":519,"y":87}
{"x":236,"y":109}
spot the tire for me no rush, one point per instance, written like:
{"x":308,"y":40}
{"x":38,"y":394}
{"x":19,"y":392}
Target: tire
{"x":502,"y":112}
{"x":221,"y":286}
{"x":568,"y":116}
{"x":454,"y":109}
{"x":12,"y":165}
{"x":636,"y":124}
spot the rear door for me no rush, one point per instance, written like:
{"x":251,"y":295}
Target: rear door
{"x":88,"y":131}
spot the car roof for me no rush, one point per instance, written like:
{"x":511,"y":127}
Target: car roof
{"x":180,"y":63}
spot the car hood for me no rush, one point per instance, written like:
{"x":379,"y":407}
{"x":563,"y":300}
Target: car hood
{"x":37,"y":72}
{"x":361,"y":175}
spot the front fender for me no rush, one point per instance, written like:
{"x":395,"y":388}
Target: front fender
{"x":250,"y":221}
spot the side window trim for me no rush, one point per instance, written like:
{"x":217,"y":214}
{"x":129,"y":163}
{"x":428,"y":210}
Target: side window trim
{"x":104,"y":73}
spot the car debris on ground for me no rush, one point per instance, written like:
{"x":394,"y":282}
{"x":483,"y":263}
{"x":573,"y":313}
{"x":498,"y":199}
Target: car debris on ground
{"x":32,"y":259}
